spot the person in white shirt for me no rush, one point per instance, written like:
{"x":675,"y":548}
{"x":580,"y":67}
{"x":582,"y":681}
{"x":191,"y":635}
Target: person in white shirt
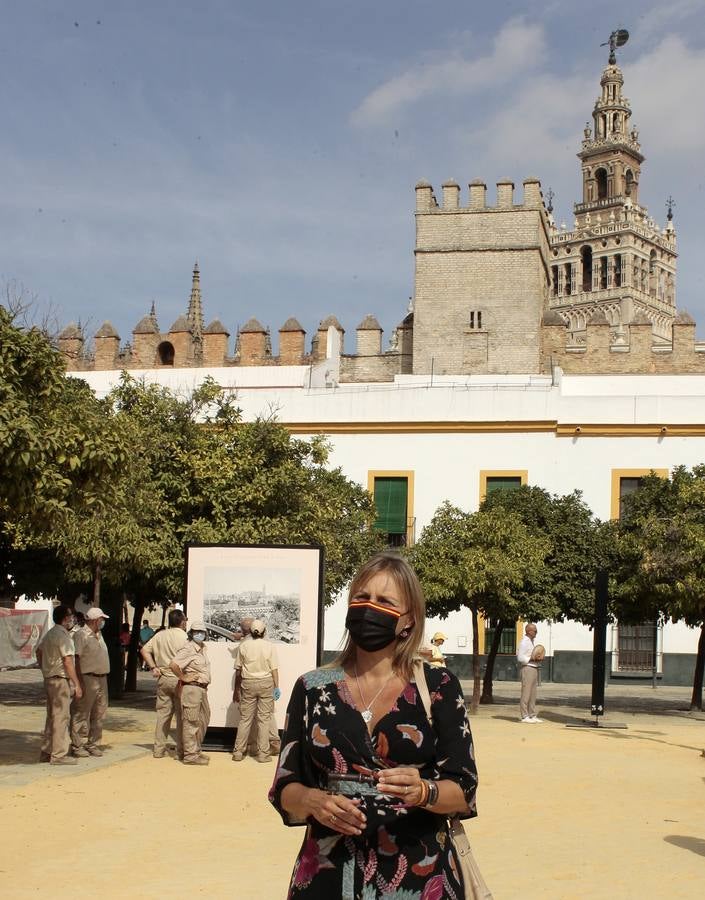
{"x":529,"y":674}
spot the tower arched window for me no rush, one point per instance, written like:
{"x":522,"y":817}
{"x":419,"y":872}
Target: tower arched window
{"x":601,"y":181}
{"x":628,"y":182}
{"x":586,"y":258}
{"x":165,"y":353}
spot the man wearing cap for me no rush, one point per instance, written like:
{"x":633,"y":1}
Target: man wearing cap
{"x":193,"y":669}
{"x":55,"y":655}
{"x":92,"y":668}
{"x":158,"y":653}
{"x":256,"y":689}
{"x":274,"y":741}
{"x":437,"y":658}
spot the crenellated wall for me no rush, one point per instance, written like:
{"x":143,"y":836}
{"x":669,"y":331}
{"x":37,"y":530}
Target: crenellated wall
{"x":481,"y":279}
{"x":634,"y":353}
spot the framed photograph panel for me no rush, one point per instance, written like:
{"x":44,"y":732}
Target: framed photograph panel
{"x":283,"y":586}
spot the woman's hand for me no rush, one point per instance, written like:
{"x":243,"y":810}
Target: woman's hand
{"x":403,"y":782}
{"x":335,"y":811}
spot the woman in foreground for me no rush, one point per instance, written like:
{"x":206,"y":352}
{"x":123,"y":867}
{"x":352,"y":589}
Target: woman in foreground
{"x":362,"y":767}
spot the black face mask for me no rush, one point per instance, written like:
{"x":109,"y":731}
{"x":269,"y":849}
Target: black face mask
{"x":371,"y":627}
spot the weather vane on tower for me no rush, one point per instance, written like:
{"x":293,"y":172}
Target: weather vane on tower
{"x":618,"y":38}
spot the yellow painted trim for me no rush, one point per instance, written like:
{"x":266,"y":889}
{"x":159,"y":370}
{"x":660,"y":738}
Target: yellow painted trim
{"x":480,"y":634}
{"x":574,"y":430}
{"x":500,"y":473}
{"x":629,"y":430}
{"x":397,"y":473}
{"x":618,"y":474}
{"x":419,"y":427}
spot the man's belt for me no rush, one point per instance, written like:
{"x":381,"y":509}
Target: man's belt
{"x":95,"y":674}
{"x":195,"y":684}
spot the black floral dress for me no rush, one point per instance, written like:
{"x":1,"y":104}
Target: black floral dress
{"x":404,"y":852}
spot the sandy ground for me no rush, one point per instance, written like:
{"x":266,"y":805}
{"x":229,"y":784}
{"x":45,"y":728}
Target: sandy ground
{"x":563,"y":813}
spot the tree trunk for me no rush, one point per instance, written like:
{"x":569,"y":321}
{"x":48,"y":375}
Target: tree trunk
{"x":696,"y":701}
{"x":489,"y":667}
{"x":475,"y":702}
{"x":96,"y":584}
{"x":111,"y":602}
{"x":164,"y":609}
{"x":132,"y":653}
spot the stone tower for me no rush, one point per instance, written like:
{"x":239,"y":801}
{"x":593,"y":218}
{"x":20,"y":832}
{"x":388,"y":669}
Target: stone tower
{"x":616,"y":260}
{"x":481,"y":280}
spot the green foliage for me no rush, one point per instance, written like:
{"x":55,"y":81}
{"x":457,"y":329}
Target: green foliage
{"x":480,"y":560}
{"x":662,"y":542}
{"x":564,"y":587}
{"x":55,"y":449}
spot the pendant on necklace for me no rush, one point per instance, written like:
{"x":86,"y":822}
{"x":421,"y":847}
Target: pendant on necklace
{"x":366,"y":716}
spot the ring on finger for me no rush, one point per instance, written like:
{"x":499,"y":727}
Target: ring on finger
{"x":333,"y":818}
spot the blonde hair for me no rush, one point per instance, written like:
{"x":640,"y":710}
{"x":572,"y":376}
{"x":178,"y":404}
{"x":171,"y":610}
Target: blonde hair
{"x":407,"y":582}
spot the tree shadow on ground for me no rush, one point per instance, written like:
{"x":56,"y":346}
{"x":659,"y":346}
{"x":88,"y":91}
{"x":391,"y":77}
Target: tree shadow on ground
{"x":19,"y":747}
{"x":23,"y":695}
{"x":685,"y":842}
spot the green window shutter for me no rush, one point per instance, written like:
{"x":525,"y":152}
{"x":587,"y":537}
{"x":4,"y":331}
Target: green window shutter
{"x":627,"y":486}
{"x":503,"y":483}
{"x":390,"y":500}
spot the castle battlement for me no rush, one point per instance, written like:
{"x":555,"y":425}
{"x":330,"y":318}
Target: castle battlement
{"x":499,"y":288}
{"x":477,"y":197}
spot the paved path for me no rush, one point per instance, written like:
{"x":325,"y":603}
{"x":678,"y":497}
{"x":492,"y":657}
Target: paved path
{"x":570,"y":814}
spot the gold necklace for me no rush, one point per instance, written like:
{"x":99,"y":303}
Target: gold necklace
{"x":366,"y":713}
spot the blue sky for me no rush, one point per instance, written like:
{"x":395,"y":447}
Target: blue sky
{"x":279,"y":143}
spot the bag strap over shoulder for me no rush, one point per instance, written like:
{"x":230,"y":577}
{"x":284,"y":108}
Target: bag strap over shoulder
{"x":422,"y":688}
{"x":473,"y":882}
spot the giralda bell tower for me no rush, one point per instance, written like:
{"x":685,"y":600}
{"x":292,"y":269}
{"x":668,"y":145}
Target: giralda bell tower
{"x":616,"y":262}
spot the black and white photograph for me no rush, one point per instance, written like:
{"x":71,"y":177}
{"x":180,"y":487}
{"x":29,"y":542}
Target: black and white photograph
{"x":281,"y":585}
{"x":231,"y":594}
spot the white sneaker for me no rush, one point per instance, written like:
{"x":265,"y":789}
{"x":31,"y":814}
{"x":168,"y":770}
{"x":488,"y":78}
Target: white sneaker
{"x":527,"y":720}
{"x":535,"y":719}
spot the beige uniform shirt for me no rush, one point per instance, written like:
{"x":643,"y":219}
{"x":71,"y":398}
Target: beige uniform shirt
{"x":193,"y":661}
{"x":92,"y":652}
{"x":257,"y":658}
{"x":164,"y":645}
{"x":55,"y":645}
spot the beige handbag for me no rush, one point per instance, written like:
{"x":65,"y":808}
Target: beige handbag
{"x":473,"y":883}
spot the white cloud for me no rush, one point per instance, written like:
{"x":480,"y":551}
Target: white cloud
{"x":517,"y":48}
{"x":663,"y":17}
{"x":665,"y":88}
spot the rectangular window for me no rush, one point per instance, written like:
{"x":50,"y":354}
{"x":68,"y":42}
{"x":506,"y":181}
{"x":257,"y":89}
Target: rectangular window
{"x":392,"y":502}
{"x":501,"y":480}
{"x":618,"y":270}
{"x":472,"y":319}
{"x":627,"y":486}
{"x":508,"y":641}
{"x":637,"y":647}
{"x":502,"y":483}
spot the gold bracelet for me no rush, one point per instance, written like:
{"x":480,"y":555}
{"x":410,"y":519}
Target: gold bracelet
{"x":424,"y":794}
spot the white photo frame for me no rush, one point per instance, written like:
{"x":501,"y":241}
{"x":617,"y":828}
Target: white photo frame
{"x":281,"y":584}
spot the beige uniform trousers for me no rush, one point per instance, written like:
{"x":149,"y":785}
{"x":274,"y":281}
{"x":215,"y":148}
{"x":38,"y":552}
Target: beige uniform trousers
{"x":274,"y":740}
{"x":168,"y":706}
{"x":529,"y":683}
{"x":195,"y":716}
{"x":55,"y":741}
{"x":256,"y":706}
{"x":87,"y":714}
